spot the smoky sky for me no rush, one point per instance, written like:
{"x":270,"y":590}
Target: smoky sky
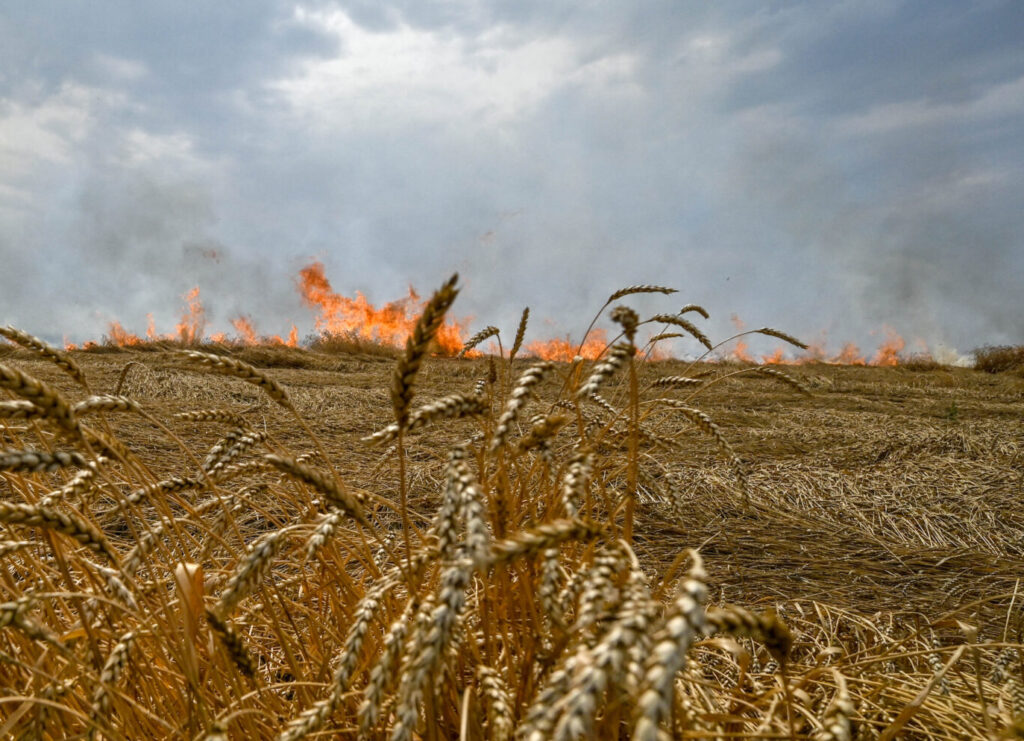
{"x":824,"y":168}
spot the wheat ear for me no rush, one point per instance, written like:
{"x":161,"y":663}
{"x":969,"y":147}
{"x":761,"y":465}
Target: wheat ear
{"x":630,"y":290}
{"x":455,"y":406}
{"x":105,"y":403}
{"x":520,"y":393}
{"x":109,"y":676}
{"x":606,"y":368}
{"x":20,"y":409}
{"x":37,"y":461}
{"x":683,"y":623}
{"x":417,"y":347}
{"x":694,"y":307}
{"x":835,"y":725}
{"x":60,"y":358}
{"x":253,"y":568}
{"x":781,"y":336}
{"x":238,"y":369}
{"x":322,"y":483}
{"x":520,"y":334}
{"x":42,"y":395}
{"x":784,"y":378}
{"x":678,"y":321}
{"x":233,"y":644}
{"x":476,"y":339}
{"x":61,"y":522}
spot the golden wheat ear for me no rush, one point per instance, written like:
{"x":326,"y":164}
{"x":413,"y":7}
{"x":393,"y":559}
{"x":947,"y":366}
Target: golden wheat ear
{"x":417,"y":347}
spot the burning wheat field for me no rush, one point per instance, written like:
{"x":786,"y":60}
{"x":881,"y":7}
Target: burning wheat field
{"x":396,"y":529}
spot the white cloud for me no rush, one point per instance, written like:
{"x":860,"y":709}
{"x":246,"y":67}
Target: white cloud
{"x":412,"y":76}
{"x":45,"y":131}
{"x":46,"y":140}
{"x":1004,"y":99}
{"x":120,"y":69}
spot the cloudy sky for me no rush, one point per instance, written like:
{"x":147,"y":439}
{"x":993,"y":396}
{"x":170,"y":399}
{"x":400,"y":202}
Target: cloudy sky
{"x":821,"y":167}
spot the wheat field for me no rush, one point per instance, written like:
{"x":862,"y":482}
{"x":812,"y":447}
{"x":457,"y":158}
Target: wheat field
{"x":218,"y":542}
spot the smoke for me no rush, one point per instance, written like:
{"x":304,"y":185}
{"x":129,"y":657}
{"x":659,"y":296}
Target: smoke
{"x":763,"y":163}
{"x":135,"y":242}
{"x":926,"y":244}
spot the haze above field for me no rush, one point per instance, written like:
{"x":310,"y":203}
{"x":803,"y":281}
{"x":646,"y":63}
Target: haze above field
{"x":815,"y":167}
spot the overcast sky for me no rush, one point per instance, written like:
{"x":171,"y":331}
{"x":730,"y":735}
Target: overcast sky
{"x":817,"y":167}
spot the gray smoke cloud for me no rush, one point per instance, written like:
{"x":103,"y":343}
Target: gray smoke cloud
{"x":815,"y":167}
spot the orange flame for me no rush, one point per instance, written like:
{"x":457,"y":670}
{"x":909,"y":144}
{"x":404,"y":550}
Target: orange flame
{"x":739,"y":352}
{"x":391,"y":324}
{"x":889,"y":351}
{"x":193,"y":319}
{"x":121,"y":337}
{"x":850,"y":355}
{"x":246,"y":333}
{"x":563,"y":350}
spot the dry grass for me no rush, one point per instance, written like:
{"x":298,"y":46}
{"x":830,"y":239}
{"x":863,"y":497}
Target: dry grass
{"x":235,"y":563}
{"x":999,"y":358}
